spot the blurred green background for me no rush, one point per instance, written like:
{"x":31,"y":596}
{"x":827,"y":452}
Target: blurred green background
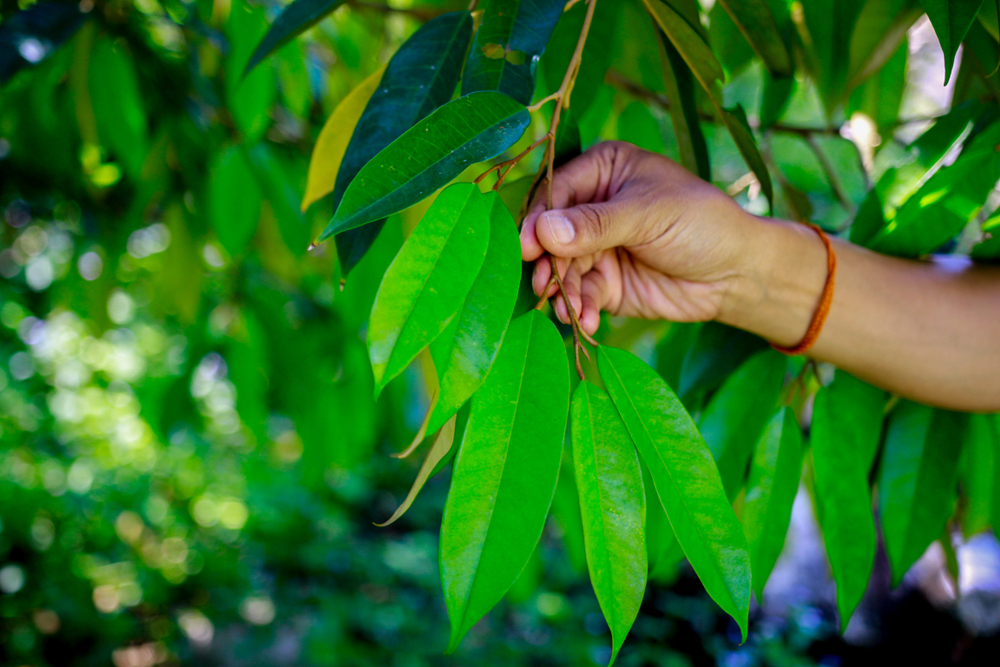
{"x":190,"y":458}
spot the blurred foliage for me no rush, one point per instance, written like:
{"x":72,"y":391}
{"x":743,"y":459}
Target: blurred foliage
{"x":190,"y":458}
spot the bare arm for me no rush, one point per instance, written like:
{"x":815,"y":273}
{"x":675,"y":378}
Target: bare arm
{"x":639,"y":236}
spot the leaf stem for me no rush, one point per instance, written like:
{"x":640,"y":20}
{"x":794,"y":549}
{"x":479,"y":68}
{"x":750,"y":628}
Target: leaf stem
{"x":511,"y":162}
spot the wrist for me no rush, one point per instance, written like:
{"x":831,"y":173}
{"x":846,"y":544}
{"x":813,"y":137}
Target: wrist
{"x":779,"y":282}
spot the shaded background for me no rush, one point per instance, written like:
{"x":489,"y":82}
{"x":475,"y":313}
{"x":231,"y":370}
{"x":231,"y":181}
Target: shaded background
{"x":190,"y":460}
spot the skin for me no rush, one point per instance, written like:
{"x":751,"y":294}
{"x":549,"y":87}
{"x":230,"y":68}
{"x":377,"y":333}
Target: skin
{"x":635,"y":234}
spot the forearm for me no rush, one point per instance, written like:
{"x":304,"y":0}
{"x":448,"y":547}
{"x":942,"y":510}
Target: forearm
{"x":929,"y":331}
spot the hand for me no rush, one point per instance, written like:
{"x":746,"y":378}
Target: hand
{"x":636,"y":234}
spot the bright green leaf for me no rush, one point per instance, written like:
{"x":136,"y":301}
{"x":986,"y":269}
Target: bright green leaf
{"x":464,"y":354}
{"x":233,"y":200}
{"x":771,"y":488}
{"x":636,"y":125}
{"x":977,"y":475}
{"x":426,"y":284}
{"x":118,"y":104}
{"x":505,"y":471}
{"x":951,"y":20}
{"x":686,"y":479}
{"x":470,"y":129}
{"x":758,"y":25}
{"x":613,"y":506}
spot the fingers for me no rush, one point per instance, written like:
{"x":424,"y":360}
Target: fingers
{"x":586,"y":229}
{"x":595,"y":295}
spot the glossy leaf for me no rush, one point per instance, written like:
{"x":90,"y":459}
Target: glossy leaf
{"x":662,"y":549}
{"x":771,"y":488}
{"x":464,"y":354}
{"x":686,"y":479}
{"x":510,"y":28}
{"x":48,"y":24}
{"x":420,"y":77}
{"x":295,"y":19}
{"x":234,"y":200}
{"x":758,"y":25}
{"x":916,"y":484}
{"x":470,"y":129}
{"x":735,"y":418}
{"x":333,"y":140}
{"x":951,"y":20}
{"x":505,"y":471}
{"x":844,"y":434}
{"x":613,"y":507}
{"x":426,"y":284}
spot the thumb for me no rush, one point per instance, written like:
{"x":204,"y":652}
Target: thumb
{"x":583,"y":230}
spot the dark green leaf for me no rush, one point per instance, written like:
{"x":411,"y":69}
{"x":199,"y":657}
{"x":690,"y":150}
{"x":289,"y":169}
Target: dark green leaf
{"x":830,"y":24}
{"x":43,"y":25}
{"x":233,"y":200}
{"x":846,"y":423}
{"x":734,"y":420}
{"x":515,"y":26}
{"x":691,"y":45}
{"x":613,"y":507}
{"x":686,"y":479}
{"x":916,"y":485}
{"x":736,"y":122}
{"x":470,"y":129}
{"x":682,"y":92}
{"x":717,"y":351}
{"x":976,"y":473}
{"x":771,"y":488}
{"x":881,"y":29}
{"x":118,"y":106}
{"x":464,"y":354}
{"x":758,"y":25}
{"x":421,"y":76}
{"x":951,"y":20}
{"x":729,"y":44}
{"x":505,"y":471}
{"x":426,"y":284}
{"x":294,"y":20}
{"x":774,"y":99}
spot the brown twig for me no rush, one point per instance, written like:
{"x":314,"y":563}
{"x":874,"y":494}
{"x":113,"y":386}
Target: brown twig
{"x":511,"y":163}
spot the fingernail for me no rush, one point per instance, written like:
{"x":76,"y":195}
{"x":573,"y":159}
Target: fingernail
{"x":560,"y":228}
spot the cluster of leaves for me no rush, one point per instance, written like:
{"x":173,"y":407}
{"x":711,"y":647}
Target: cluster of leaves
{"x":699,"y":459}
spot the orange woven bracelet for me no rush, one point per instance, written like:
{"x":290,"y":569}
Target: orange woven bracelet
{"x":825,"y":299}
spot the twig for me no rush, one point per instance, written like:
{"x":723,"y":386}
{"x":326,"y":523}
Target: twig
{"x":513,"y":161}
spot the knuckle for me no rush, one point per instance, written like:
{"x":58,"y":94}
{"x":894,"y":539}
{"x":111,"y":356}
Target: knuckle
{"x":596,"y":219}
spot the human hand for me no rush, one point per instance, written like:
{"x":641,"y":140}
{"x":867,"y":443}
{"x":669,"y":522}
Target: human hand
{"x":636,"y":234}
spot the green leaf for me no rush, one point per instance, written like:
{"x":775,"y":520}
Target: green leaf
{"x":517,"y":27}
{"x":464,"y":354}
{"x":294,"y":20}
{"x":234,"y":200}
{"x":686,"y":479}
{"x":830,"y":25}
{"x":989,"y":248}
{"x":613,"y":506}
{"x":758,"y":25}
{"x":691,"y":45}
{"x":672,"y":349}
{"x":880,"y":31}
{"x":774,"y":98}
{"x":425,"y":285}
{"x":118,"y":105}
{"x":844,"y":434}
{"x":420,"y":77}
{"x":717,"y":351}
{"x":735,"y":418}
{"x":948,"y":201}
{"x":681,"y":91}
{"x":566,"y":513}
{"x":729,"y":44}
{"x":505,"y":471}
{"x":977,"y":475}
{"x":248,"y":98}
{"x":916,"y":484}
{"x":736,"y":122}
{"x":470,"y":129}
{"x":951,"y":20}
{"x":636,"y":125}
{"x":773,"y":483}
{"x":663,"y":551}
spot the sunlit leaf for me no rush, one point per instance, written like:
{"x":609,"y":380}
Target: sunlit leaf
{"x":426,"y":284}
{"x":756,"y":22}
{"x":977,"y":473}
{"x":295,"y":19}
{"x":464,"y":354}
{"x":771,"y":488}
{"x":505,"y":471}
{"x":686,"y":479}
{"x":613,"y":505}
{"x":470,"y":129}
{"x":512,"y":26}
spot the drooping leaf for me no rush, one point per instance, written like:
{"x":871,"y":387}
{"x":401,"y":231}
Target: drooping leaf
{"x":672,"y":349}
{"x":295,"y":19}
{"x":916,"y":484}
{"x":662,"y":549}
{"x":736,"y":122}
{"x":333,"y":140}
{"x":420,"y":77}
{"x":951,"y":20}
{"x":425,"y":285}
{"x":33,"y":34}
{"x":735,"y":418}
{"x":248,"y":98}
{"x":681,"y":91}
{"x":464,"y":354}
{"x":774,"y":98}
{"x":274,"y":175}
{"x":505,"y":471}
{"x":881,"y":95}
{"x":510,"y":30}
{"x":717,"y":351}
{"x":233,"y":200}
{"x":881,"y":29}
{"x":976,"y":474}
{"x":686,"y":479}
{"x":831,"y":24}
{"x":758,"y":25}
{"x":771,"y":488}
{"x":470,"y":129}
{"x":566,"y":513}
{"x":613,"y":507}
{"x":728,"y":42}
{"x":118,"y":105}
{"x":846,"y":423}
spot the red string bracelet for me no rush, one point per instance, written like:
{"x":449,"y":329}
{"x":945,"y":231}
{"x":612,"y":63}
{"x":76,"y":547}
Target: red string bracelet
{"x":825,"y":299}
